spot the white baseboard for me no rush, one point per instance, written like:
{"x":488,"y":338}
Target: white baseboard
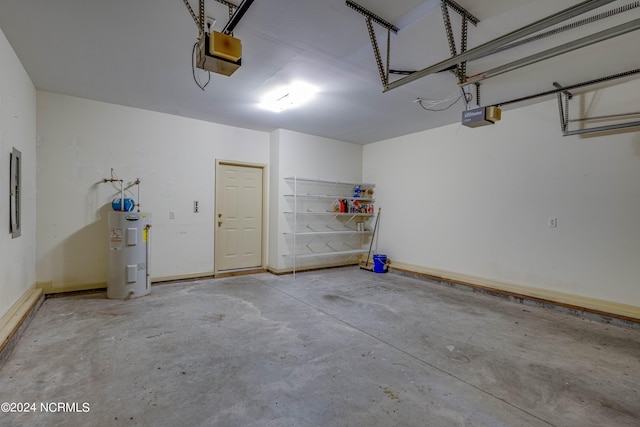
{"x":48,"y":288}
{"x":14,"y":320}
{"x":593,"y":305}
{"x":319,"y":266}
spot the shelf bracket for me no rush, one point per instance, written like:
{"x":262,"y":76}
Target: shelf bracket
{"x":327,"y":226}
{"x":331,"y":247}
{"x":350,"y":219}
{"x":350,"y":246}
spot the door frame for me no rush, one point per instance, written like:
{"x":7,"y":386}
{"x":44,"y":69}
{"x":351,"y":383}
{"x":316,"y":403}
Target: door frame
{"x":263,"y":237}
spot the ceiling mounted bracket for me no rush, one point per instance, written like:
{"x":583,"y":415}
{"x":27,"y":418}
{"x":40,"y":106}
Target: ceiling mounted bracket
{"x":214,"y":51}
{"x":375,"y":18}
{"x":232,"y":8}
{"x":372,"y":17}
{"x":235,"y":14}
{"x":461,"y":69}
{"x":609,"y":78}
{"x":563,"y":107}
{"x":234,"y":20}
{"x":563,"y":90}
{"x":462,"y":12}
{"x":564,"y":113}
{"x":563,"y":110}
{"x":199,"y":20}
{"x":384,"y":73}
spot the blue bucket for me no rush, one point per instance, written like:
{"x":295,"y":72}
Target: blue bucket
{"x":379,"y":263}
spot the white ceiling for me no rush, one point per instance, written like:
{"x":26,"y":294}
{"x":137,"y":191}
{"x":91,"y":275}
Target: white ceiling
{"x":138,"y":53}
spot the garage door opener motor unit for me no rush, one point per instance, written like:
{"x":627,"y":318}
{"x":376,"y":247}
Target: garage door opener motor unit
{"x":481,"y":116}
{"x":219,"y":53}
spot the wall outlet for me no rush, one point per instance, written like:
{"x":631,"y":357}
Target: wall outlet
{"x":172,"y":215}
{"x":553,"y":222}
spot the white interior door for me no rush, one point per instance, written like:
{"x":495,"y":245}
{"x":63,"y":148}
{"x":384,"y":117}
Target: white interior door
{"x":238,"y":217}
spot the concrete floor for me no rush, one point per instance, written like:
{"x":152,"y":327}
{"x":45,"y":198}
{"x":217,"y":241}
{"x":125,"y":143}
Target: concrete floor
{"x":341,"y":347}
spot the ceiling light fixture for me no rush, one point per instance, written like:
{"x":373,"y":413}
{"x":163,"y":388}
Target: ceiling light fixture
{"x":291,"y":96}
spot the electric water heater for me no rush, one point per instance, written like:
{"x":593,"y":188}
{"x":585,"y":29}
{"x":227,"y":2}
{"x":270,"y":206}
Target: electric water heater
{"x":129,"y":252}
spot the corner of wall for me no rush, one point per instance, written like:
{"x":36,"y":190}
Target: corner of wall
{"x":17,"y":129}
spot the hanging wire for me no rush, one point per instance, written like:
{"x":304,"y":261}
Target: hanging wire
{"x":193,"y":69}
{"x":467,"y":97}
{"x":450,"y":101}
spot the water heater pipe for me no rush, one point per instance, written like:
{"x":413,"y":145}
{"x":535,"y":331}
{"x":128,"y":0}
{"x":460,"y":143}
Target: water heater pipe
{"x":148,"y":230}
{"x":121,"y":189}
{"x":136,"y":182}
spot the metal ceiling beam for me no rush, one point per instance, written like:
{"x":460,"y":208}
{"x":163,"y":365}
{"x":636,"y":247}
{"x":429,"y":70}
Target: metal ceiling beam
{"x":485,"y":48}
{"x":558,"y":50}
{"x":237,"y":16}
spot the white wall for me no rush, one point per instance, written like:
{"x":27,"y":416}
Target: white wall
{"x":304,"y":156}
{"x":17,"y":129}
{"x":79,"y":141}
{"x":477,"y":201}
